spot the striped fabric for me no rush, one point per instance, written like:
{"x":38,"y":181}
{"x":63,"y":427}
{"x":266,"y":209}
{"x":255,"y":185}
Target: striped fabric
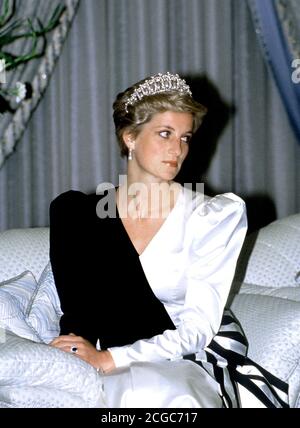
{"x":44,"y":312}
{"x":226,"y":360}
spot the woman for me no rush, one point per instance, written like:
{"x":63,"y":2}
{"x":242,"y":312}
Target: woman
{"x":143,"y":271}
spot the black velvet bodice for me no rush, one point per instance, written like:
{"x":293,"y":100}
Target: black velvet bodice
{"x":102,"y":287}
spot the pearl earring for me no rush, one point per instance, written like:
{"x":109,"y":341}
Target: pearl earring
{"x":130,"y":154}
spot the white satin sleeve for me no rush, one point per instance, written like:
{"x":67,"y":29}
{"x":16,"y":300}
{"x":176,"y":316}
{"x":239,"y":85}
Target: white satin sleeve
{"x":217,"y":230}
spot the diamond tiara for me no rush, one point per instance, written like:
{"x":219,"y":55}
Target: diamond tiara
{"x":157,"y":84}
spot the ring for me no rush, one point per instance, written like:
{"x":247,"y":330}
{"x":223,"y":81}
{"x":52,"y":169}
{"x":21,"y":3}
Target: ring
{"x":74,"y":349}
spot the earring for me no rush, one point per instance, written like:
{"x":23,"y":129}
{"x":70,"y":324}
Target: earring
{"x":130,"y":154}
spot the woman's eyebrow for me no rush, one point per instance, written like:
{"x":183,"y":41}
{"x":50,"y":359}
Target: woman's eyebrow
{"x":172,"y":129}
{"x":165,"y":126}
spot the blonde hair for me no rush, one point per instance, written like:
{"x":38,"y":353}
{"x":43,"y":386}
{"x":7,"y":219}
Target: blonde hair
{"x":135,"y":116}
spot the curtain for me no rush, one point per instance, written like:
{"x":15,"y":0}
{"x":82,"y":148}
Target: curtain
{"x":245,"y":145}
{"x":277,"y":25}
{"x":37,"y":71}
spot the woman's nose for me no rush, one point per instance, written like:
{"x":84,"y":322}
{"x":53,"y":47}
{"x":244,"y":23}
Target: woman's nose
{"x":175,"y":146}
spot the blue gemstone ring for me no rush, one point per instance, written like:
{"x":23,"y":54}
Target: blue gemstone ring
{"x":74,"y":349}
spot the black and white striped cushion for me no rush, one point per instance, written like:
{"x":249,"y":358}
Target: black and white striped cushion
{"x":225,"y":358}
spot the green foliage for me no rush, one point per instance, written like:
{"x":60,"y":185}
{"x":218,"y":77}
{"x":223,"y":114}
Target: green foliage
{"x":12,"y":30}
{"x":25,"y":28}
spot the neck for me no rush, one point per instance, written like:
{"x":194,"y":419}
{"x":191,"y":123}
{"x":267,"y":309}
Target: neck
{"x":136,"y":176}
{"x":141,"y":200}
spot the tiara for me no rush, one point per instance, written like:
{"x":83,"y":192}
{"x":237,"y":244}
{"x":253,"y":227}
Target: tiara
{"x":157,"y":84}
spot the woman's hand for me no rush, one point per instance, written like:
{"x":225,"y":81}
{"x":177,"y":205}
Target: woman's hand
{"x":82,"y":348}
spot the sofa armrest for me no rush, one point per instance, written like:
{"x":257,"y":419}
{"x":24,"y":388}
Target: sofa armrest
{"x":272,"y":327}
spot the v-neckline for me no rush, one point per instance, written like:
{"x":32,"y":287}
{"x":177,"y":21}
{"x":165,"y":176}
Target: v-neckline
{"x":159,"y":231}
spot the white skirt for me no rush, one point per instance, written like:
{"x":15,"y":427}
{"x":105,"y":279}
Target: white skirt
{"x":166,"y":384}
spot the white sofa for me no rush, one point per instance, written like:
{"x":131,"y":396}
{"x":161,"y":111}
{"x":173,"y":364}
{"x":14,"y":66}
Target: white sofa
{"x":265,"y":297}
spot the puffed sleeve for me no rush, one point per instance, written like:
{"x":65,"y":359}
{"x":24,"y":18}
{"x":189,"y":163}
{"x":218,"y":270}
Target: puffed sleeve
{"x":215,"y":232}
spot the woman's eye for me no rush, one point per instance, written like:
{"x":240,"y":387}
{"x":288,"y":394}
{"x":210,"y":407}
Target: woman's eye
{"x":186,"y":139}
{"x":164,"y":134}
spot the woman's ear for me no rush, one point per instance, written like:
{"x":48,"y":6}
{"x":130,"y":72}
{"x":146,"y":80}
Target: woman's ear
{"x":128,"y":139}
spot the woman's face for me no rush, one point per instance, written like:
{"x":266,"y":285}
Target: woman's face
{"x":161,"y":146}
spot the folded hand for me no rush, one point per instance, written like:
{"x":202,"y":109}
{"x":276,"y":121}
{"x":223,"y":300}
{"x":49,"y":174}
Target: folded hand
{"x":83,"y":349}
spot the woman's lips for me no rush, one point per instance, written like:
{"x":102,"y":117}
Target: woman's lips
{"x":173,"y":164}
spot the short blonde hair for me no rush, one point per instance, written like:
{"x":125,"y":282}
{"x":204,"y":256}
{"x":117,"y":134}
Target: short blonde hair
{"x":135,"y":116}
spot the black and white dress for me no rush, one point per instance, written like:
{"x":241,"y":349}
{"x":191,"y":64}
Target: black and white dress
{"x":158,"y":312}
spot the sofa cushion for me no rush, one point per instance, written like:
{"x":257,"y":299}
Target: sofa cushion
{"x":291,"y":293}
{"x":44,"y":312}
{"x":272,"y":326}
{"x":271,"y":257}
{"x":15,"y":296}
{"x":31,"y":309}
{"x":38,"y":397}
{"x":35,"y":374}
